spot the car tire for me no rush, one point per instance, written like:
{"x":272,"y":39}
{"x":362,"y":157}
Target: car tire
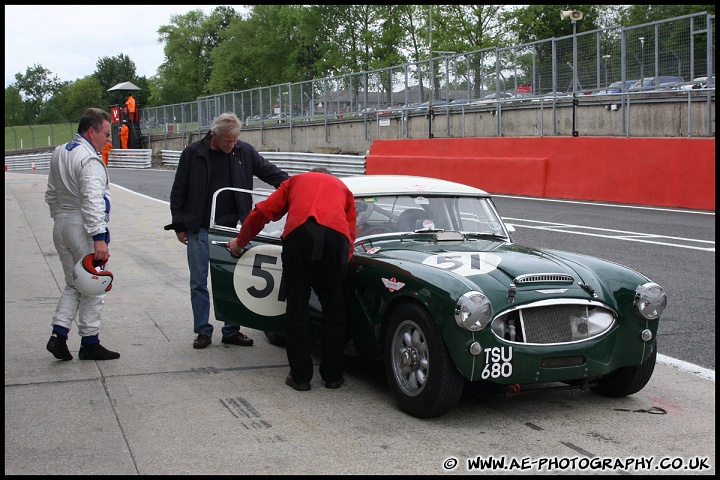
{"x":275,"y":339}
{"x":627,"y":380}
{"x":418,"y":367}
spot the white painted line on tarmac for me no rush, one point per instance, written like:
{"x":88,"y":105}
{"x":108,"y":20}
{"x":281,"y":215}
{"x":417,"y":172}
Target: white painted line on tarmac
{"x":687,"y":367}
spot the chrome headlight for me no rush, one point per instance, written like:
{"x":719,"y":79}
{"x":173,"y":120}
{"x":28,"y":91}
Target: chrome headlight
{"x":473,"y":311}
{"x":650,"y":300}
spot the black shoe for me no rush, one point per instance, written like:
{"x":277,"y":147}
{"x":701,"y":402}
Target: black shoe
{"x":238,"y":339}
{"x":95,"y":351}
{"x":335,"y":383}
{"x":202,"y":340}
{"x":57,"y":345}
{"x":300,"y":387}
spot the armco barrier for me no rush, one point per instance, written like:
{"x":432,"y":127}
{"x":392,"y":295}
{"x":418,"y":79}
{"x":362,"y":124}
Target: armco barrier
{"x":170,"y":157}
{"x":130,"y":158}
{"x":293,"y":162}
{"x":119,"y":158}
{"x":667,"y":172}
{"x":340,"y":165}
{"x":36,"y":161}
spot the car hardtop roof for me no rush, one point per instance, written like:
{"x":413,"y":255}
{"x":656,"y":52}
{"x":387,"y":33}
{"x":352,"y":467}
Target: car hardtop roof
{"x":379,"y":185}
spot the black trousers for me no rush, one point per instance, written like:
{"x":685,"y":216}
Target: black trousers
{"x":315,"y":257}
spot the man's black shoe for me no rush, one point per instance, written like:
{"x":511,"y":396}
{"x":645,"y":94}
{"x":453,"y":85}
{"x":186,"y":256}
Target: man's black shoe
{"x":57,"y":345}
{"x":300,"y":387}
{"x":202,"y":340}
{"x":335,"y":383}
{"x":95,"y":351}
{"x":238,"y":339}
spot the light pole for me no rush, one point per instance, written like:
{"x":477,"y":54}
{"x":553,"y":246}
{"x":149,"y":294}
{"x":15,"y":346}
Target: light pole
{"x":642,"y":62}
{"x":606,"y":59}
{"x":574,"y":24}
{"x":431,"y":77}
{"x":574,"y":16}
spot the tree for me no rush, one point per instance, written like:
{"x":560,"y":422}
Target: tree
{"x":14,"y":108}
{"x":77,"y":97}
{"x":113,"y":70}
{"x":639,"y":14}
{"x":36,"y":86}
{"x":189,"y":40}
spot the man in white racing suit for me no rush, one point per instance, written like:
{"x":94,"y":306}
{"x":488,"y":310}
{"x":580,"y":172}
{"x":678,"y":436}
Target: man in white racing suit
{"x":78,"y":195}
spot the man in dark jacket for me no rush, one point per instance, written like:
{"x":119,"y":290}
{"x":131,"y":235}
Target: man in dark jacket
{"x":218,"y":160}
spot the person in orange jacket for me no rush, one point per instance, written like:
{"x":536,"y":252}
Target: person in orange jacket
{"x":124,"y":135}
{"x":106,"y":152}
{"x":131,"y":108}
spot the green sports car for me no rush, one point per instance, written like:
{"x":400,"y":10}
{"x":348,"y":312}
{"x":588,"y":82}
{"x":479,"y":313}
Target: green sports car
{"x":441,"y":294}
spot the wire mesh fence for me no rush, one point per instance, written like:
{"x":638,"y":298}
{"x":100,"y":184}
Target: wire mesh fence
{"x":672,"y":55}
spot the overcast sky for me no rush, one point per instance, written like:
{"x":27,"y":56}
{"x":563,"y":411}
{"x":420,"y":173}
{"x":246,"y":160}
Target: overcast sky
{"x":68,"y":40}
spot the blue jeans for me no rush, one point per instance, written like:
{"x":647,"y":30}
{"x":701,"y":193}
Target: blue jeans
{"x":198,"y":253}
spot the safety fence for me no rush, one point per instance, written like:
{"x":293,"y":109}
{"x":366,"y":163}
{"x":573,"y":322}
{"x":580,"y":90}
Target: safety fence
{"x":118,"y":158}
{"x":671,"y":56}
{"x":293,"y":163}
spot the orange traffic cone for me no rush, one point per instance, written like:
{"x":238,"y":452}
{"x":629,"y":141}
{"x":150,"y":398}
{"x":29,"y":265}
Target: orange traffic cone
{"x":33,"y":165}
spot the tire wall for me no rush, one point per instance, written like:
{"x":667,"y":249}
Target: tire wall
{"x":665,"y":172}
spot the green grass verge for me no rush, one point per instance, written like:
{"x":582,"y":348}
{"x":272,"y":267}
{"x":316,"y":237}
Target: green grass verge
{"x":35,"y":136}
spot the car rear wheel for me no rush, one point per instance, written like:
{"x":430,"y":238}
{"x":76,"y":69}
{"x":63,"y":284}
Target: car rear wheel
{"x":627,"y":380}
{"x":418,"y":367}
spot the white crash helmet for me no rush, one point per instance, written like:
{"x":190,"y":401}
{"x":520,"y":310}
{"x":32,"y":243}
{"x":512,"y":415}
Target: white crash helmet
{"x":90,"y":277}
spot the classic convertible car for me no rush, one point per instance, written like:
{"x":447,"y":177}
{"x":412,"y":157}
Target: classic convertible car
{"x":441,"y":294}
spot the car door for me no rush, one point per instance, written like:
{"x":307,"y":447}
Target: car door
{"x":247,"y":290}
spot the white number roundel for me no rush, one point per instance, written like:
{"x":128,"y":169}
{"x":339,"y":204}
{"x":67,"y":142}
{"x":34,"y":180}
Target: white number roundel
{"x":464,"y":263}
{"x":257,"y":280}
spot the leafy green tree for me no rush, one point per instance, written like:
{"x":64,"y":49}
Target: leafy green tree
{"x":259,"y":50}
{"x":466,"y":28}
{"x":113,"y":70}
{"x":73,"y":100}
{"x":189,"y":40}
{"x":36,"y":86}
{"x":14,"y":108}
{"x":639,"y":14}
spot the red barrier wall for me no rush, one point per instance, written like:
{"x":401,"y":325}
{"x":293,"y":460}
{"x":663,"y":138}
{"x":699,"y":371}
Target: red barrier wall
{"x":667,"y":172}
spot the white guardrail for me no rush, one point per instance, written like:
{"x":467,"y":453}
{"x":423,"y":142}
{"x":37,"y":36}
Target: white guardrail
{"x":292,"y":162}
{"x":118,"y":158}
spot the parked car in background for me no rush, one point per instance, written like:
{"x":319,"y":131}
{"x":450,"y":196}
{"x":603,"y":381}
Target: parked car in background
{"x":550,"y":96}
{"x":493,"y":97}
{"x":440,"y":293}
{"x":654,"y":83}
{"x":699,"y":82}
{"x":460,"y":102}
{"x":616,"y":87}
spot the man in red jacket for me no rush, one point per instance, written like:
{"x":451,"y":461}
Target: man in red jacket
{"x":317,"y":246}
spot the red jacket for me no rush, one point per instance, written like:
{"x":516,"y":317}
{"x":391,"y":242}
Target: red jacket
{"x":310,"y":194}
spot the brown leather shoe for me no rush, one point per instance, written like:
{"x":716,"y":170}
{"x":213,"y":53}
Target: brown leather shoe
{"x":202,"y":340}
{"x":238,"y":339}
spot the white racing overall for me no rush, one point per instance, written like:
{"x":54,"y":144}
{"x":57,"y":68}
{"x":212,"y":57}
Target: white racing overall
{"x":78,"y":195}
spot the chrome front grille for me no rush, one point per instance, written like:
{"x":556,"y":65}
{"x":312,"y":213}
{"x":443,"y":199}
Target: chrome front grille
{"x":552,"y":324}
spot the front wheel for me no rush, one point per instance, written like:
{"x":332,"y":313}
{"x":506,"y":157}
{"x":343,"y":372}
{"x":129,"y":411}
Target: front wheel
{"x":627,"y":380}
{"x":418,"y":367}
